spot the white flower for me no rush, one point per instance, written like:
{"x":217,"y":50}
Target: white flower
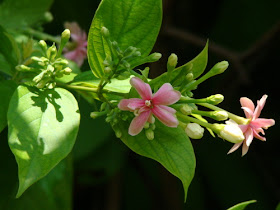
{"x":231,"y":132}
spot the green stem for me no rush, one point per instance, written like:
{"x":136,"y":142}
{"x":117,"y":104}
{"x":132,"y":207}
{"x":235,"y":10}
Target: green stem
{"x":88,"y":89}
{"x":236,"y":118}
{"x":191,"y":119}
{"x":41,"y":35}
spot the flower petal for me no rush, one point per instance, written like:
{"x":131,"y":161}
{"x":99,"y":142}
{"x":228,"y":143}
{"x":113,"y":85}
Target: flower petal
{"x":166,"y":95}
{"x":259,"y":107}
{"x":248,"y":106}
{"x":142,"y":88}
{"x":249,"y":136}
{"x":263,"y":123}
{"x":256,"y":135}
{"x":123,"y":105}
{"x":138,"y":122}
{"x":135,"y":103}
{"x":167,"y":118}
{"x":167,"y":108}
{"x":245,"y":149}
{"x":235,"y":147}
{"x":248,"y":112}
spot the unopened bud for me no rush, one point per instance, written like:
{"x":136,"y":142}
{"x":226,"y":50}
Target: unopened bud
{"x":105,"y":32}
{"x":186,"y":109}
{"x":219,"y":67}
{"x":172,"y":62}
{"x":42,"y":83}
{"x":39,"y":77}
{"x":219,"y":115}
{"x":50,"y":68}
{"x":67,"y":70}
{"x":48,"y":17}
{"x":118,"y":133}
{"x":137,"y":54}
{"x":194,"y":131}
{"x":51,"y":52}
{"x":154,"y":57}
{"x":23,"y":68}
{"x":65,"y":35}
{"x":229,"y":131}
{"x":215,"y":99}
{"x":107,"y":70}
{"x":147,"y":125}
{"x":189,"y":77}
{"x":149,"y":134}
{"x":43,"y":45}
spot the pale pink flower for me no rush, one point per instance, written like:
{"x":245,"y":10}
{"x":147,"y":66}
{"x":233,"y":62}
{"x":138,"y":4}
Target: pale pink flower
{"x":255,"y":125}
{"x":77,"y":51}
{"x":150,"y":104}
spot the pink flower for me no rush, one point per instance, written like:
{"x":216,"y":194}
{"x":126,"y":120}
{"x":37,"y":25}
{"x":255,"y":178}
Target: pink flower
{"x":78,"y":50}
{"x":255,"y":125}
{"x":148,"y":105}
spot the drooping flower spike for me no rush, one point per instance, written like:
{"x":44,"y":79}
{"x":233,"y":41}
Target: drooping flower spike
{"x":77,"y":52}
{"x":255,"y":125}
{"x":150,"y":104}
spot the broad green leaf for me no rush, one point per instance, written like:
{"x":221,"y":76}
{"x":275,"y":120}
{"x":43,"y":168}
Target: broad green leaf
{"x":21,"y":13}
{"x":195,"y":66}
{"x":7,"y":49}
{"x":7,"y":88}
{"x":130,"y":22}
{"x":43,"y":126}
{"x":171,"y":148}
{"x":242,"y":205}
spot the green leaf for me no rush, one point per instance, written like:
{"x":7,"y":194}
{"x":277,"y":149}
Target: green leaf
{"x":195,"y":66}
{"x":21,"y":13}
{"x":171,"y":147}
{"x":43,"y":126}
{"x":7,"y":49}
{"x":130,"y":22}
{"x":7,"y":89}
{"x":242,"y":205}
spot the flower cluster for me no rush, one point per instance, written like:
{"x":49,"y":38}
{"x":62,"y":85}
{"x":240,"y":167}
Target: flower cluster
{"x":49,"y":66}
{"x":158,"y":105}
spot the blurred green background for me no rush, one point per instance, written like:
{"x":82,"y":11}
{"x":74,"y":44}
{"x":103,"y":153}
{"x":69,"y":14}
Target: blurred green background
{"x":246,"y":33}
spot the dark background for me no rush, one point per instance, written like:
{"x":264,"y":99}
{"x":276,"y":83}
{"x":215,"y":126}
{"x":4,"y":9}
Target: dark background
{"x":245,"y":33}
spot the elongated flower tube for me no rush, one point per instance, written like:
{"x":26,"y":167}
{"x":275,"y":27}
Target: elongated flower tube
{"x":150,"y":105}
{"x":255,"y":125}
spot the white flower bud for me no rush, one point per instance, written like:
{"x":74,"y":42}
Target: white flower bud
{"x":194,"y":131}
{"x":219,"y":115}
{"x":230,"y":132}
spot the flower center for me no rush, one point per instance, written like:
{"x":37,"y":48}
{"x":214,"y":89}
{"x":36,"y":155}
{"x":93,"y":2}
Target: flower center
{"x":148,"y":103}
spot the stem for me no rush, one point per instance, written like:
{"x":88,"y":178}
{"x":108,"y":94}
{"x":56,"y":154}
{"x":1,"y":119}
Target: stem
{"x":41,"y":35}
{"x":236,"y":118}
{"x":88,"y":89}
{"x":191,"y":119}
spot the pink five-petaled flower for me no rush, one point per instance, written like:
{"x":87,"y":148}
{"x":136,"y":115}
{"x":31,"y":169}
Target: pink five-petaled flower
{"x":77,"y":52}
{"x":148,"y":105}
{"x":255,"y":125}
